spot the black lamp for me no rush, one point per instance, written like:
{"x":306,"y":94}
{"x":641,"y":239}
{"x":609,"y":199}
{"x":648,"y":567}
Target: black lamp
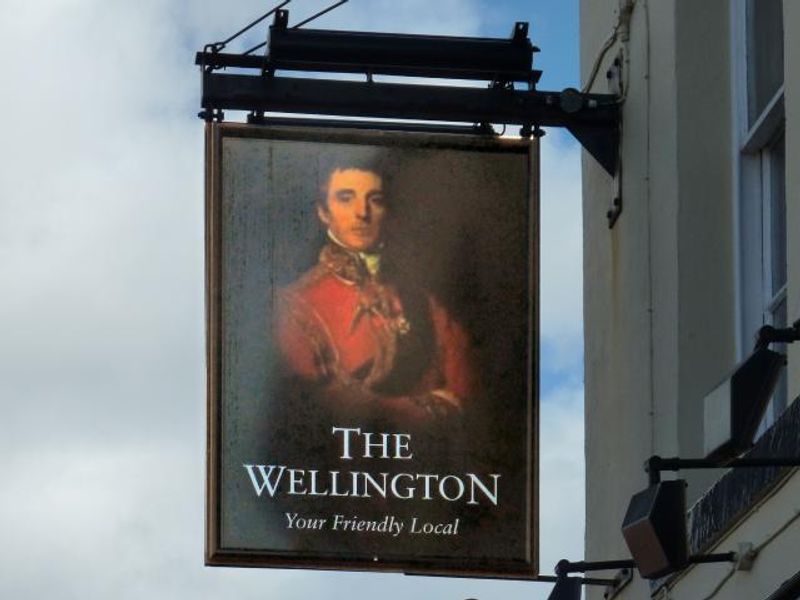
{"x":654,"y":526}
{"x":733,"y":410}
{"x":654,"y":529}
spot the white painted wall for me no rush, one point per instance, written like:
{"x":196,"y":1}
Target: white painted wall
{"x":659,"y":308}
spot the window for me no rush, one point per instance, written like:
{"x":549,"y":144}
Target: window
{"x":761,"y":160}
{"x":764,"y":47}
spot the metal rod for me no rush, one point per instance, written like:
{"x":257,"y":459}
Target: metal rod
{"x":249,"y":51}
{"x":224,"y":43}
{"x":655,"y":464}
{"x":584,"y":580}
{"x":224,"y":59}
{"x":402,"y":101}
{"x":598,"y":581}
{"x":320,"y":13}
{"x":564,"y":566}
{"x":382,"y":125}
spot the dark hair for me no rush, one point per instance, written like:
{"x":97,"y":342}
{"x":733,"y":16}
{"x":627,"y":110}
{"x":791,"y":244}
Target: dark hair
{"x":373,"y":162}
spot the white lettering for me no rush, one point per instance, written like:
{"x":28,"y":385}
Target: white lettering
{"x":345,"y":455}
{"x":443,"y":484}
{"x":409,"y":491}
{"x":266,"y":477}
{"x":383,"y":445}
{"x":295,"y":480}
{"x":401,"y":442}
{"x":476,"y":482}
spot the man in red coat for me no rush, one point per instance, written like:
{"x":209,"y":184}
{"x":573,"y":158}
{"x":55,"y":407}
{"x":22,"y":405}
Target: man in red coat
{"x":367,"y":345}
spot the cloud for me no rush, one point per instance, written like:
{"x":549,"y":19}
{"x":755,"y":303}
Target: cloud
{"x":205,"y":21}
{"x":101,"y":229}
{"x":562,"y":475}
{"x":561,"y":253}
{"x":125,"y":520}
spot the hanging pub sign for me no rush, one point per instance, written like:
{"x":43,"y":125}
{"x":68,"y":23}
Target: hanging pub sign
{"x":372,"y":350}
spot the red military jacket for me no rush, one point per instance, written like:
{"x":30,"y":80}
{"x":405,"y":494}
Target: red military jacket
{"x":351,"y":333}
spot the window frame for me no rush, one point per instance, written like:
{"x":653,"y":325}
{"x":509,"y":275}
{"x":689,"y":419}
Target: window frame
{"x":753,"y":197}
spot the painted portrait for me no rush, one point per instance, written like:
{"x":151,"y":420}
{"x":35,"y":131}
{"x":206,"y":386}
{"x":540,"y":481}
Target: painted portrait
{"x":372,"y":350}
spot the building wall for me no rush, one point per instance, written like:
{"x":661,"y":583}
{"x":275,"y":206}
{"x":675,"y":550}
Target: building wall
{"x":660,"y":291}
{"x":618,"y":317}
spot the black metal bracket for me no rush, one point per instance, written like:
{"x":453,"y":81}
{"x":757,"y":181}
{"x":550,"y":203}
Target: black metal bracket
{"x":613,"y":586}
{"x":213,"y":114}
{"x":565,"y":567}
{"x":621,"y":579}
{"x":614,"y":212}
{"x":566,"y":586}
{"x":592,"y":118}
{"x":771,"y":335}
{"x":654,"y":465}
{"x":583,"y":580}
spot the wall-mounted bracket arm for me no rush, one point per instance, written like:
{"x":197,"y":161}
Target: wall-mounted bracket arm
{"x":592,"y":118}
{"x":594,"y":123}
{"x":656,"y":464}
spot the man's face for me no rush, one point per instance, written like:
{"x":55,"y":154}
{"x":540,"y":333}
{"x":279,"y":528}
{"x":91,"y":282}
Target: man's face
{"x":354,"y":208}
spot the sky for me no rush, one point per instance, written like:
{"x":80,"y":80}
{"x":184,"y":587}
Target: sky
{"x":102,"y":373}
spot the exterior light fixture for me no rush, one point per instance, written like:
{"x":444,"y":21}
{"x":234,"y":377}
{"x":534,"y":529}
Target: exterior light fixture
{"x":654,"y":526}
{"x":733,"y":409}
{"x":654,"y":529}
